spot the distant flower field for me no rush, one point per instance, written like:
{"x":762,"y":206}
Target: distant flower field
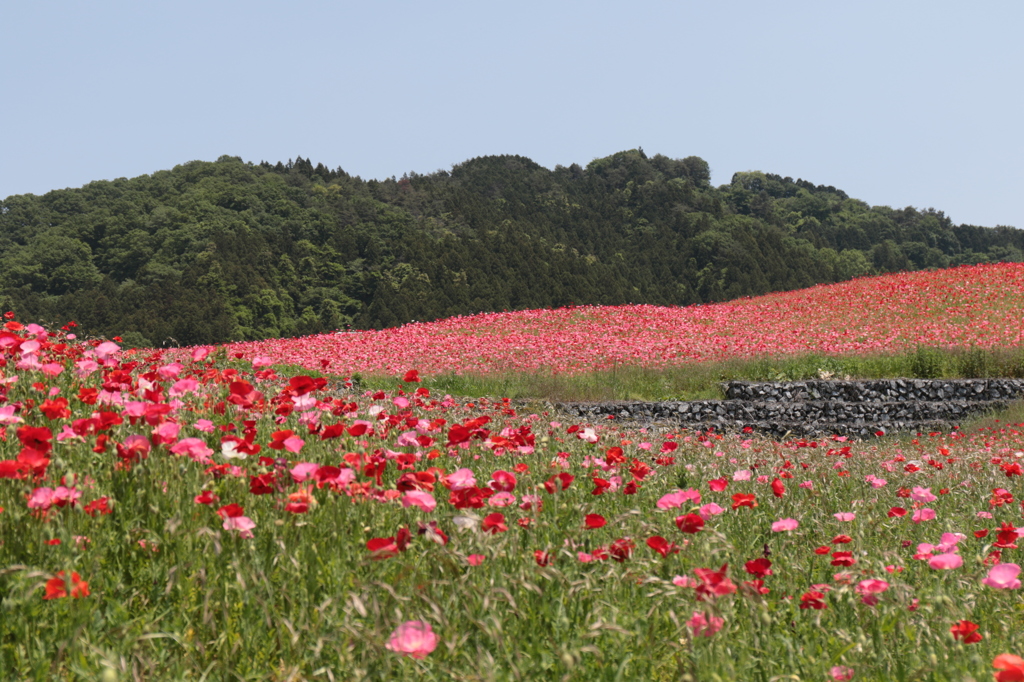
{"x":204,"y":515}
{"x":977,"y":306}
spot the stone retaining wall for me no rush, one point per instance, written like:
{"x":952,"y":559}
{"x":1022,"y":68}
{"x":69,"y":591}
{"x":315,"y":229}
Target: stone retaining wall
{"x":881,"y":390}
{"x":820,"y":408}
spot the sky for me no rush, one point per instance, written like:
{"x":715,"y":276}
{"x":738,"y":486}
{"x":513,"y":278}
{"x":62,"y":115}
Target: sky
{"x":898,"y":103}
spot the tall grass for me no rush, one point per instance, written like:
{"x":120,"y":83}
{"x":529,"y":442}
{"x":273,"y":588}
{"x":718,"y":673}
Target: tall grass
{"x":703,"y":381}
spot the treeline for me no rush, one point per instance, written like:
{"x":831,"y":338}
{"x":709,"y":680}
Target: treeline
{"x":228,"y":250}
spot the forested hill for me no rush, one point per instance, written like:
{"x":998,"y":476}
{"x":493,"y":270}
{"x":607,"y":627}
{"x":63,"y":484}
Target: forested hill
{"x":229,"y":250}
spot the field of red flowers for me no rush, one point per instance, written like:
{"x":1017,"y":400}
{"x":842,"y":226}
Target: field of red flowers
{"x":977,"y":306}
{"x":206,"y":516}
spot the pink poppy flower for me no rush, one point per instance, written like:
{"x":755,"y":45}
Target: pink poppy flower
{"x":872,"y":586}
{"x":460,"y":479}
{"x":919,"y":494}
{"x":501,"y":499}
{"x":925,"y":514}
{"x":784,"y":525}
{"x":303,"y":471}
{"x":685,"y":581}
{"x":413,"y":638}
{"x":841,"y":673}
{"x":7,"y":415}
{"x":194,"y":448}
{"x":1003,"y":577}
{"x":243,"y":524}
{"x":41,"y":498}
{"x":475,"y":559}
{"x":51,"y":369}
{"x":678,"y":499}
{"x":946,"y":561}
{"x":704,"y":625}
{"x":184,"y":387}
{"x":169,"y":371}
{"x":845,"y":516}
{"x":709,"y":510}
{"x":105,"y":350}
{"x":417,"y":498}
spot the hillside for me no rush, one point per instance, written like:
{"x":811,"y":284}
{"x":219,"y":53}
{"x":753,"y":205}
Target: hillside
{"x":973,"y":307}
{"x":230,"y":251}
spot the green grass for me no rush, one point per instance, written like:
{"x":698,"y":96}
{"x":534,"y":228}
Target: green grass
{"x":703,"y":381}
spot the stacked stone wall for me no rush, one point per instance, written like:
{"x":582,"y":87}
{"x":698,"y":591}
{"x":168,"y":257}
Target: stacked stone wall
{"x":818,"y":408}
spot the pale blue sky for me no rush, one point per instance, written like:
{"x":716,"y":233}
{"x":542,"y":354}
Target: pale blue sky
{"x":897,"y":103}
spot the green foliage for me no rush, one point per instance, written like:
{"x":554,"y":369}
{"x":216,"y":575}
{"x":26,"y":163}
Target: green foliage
{"x":927,"y":363}
{"x":704,"y":381}
{"x":210,"y":252}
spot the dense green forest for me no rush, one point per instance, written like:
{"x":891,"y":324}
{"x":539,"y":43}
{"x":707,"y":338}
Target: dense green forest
{"x":228,"y":250}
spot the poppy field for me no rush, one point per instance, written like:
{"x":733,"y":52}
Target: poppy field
{"x":966,"y":307}
{"x":204,"y":514}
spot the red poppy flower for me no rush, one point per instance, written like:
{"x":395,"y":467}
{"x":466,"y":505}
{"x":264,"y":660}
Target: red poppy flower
{"x":843,"y":559}
{"x":98,"y":506}
{"x":472,"y":497}
{"x":230,"y":511}
{"x":718,"y":484}
{"x":897,"y":512}
{"x":357,"y":430}
{"x":36,"y":438}
{"x":758,"y":567}
{"x":755,"y":587}
{"x":411,"y":480}
{"x":639,"y":469}
{"x":262,"y":484}
{"x":412,"y":376}
{"x":541,"y":557}
{"x":743,"y":500}
{"x":841,"y":539}
{"x":89,"y":396}
{"x":382,"y":548}
{"x":778,"y":489}
{"x":614,"y":456}
{"x":621,"y":549}
{"x":689,"y":523}
{"x":1011,"y":469}
{"x":593,"y":521}
{"x":559,"y":482}
{"x":242,"y":393}
{"x":813,"y":600}
{"x":502,"y":481}
{"x":1010,"y":667}
{"x":494,"y":523}
{"x":55,"y":409}
{"x":967,"y":631}
{"x":1000,"y":496}
{"x":402,"y":538}
{"x":56,"y":587}
{"x":332,"y":431}
{"x":714,"y":583}
{"x":662,"y":546}
{"x":1006,"y":538}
